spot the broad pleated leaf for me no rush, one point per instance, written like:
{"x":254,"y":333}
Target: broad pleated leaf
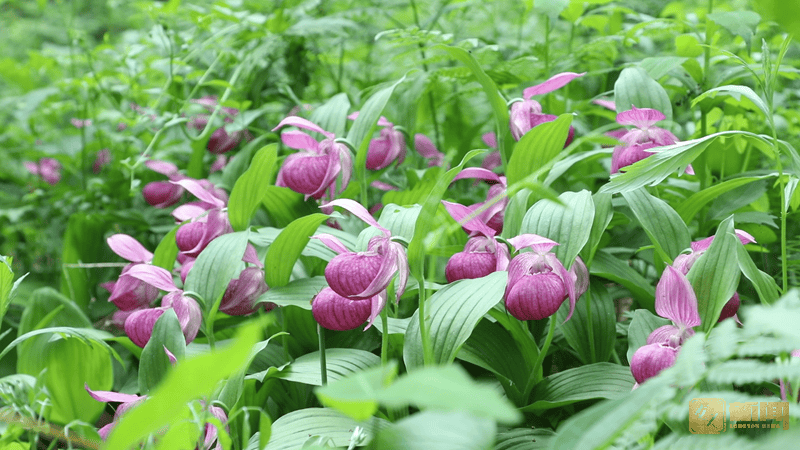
{"x":635,"y":87}
{"x":524,"y":439}
{"x":332,"y":116}
{"x":737,"y":92}
{"x":167,"y":250}
{"x":340,"y":363}
{"x":297,"y":293}
{"x":292,"y":430}
{"x":453,"y":313}
{"x":440,"y":430}
{"x":665,"y":228}
{"x":357,"y":394}
{"x":284,"y":205}
{"x":715,"y":275}
{"x":538,"y":147}
{"x":251,"y":187}
{"x":215,"y":267}
{"x":288,"y":246}
{"x":601,"y":380}
{"x":603,"y":212}
{"x":597,"y":345}
{"x":766,"y":287}
{"x":492,"y":347}
{"x":570,"y":225}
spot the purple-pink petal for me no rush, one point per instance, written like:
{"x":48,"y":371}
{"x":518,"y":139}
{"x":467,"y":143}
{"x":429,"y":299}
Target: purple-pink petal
{"x":335,"y":312}
{"x":200,"y":192}
{"x":153,"y":275}
{"x":299,"y":140}
{"x":479,"y":173}
{"x":608,"y":104}
{"x":332,"y":242}
{"x":357,"y":210}
{"x":110,"y":396}
{"x":649,"y":360}
{"x":461,"y":213}
{"x":162,"y":167}
{"x":676,"y":300}
{"x":129,"y":248}
{"x":539,"y":244}
{"x":299,"y":122}
{"x":640,"y":117}
{"x":555,"y":82}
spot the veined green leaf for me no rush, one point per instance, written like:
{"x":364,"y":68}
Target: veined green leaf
{"x":436,"y":429}
{"x":601,"y":380}
{"x":292,"y":430}
{"x":766,"y":287}
{"x":570,"y":225}
{"x":634,"y":87}
{"x":297,"y":293}
{"x":642,"y":324}
{"x":665,"y":228}
{"x":597,"y":345}
{"x":250,"y":188}
{"x":167,"y":250}
{"x":154,"y":362}
{"x":340,"y":363}
{"x":538,"y":147}
{"x":689,"y":208}
{"x":288,"y":246}
{"x":215,"y":267}
{"x":357,"y":394}
{"x":736,"y":92}
{"x":611,"y":268}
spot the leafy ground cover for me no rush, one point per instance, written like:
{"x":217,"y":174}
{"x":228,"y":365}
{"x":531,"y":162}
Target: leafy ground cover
{"x":358,"y":224}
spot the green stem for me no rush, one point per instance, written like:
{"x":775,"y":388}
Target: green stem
{"x":538,"y":364}
{"x":323,"y":369}
{"x":427,"y":356}
{"x":431,"y":100}
{"x":385,"y":322}
{"x":212,"y":342}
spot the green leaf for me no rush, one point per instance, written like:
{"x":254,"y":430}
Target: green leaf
{"x":340,"y":363}
{"x":215,"y":267}
{"x":167,"y":250}
{"x":292,"y":430}
{"x":570,"y":225}
{"x":400,"y":220}
{"x":642,"y":324}
{"x":283,"y":205}
{"x":689,"y":208}
{"x":288,"y":246}
{"x":71,"y":363}
{"x":659,"y":66}
{"x":597,"y":346}
{"x":83,"y":243}
{"x":665,"y":228}
{"x":611,"y":268}
{"x":492,"y":347}
{"x":449,"y":388}
{"x":182,"y":385}
{"x":715,"y":275}
{"x":740,"y":23}
{"x":89,"y":335}
{"x":250,"y":188}
{"x":766,"y":287}
{"x":601,"y":380}
{"x":524,"y":439}
{"x":737,"y":92}
{"x":440,"y":430}
{"x":499,"y":107}
{"x":452,"y":315}
{"x":597,"y":427}
{"x":332,"y":116}
{"x":6,"y":282}
{"x":666,"y":161}
{"x":603,"y":212}
{"x":154,"y":362}
{"x":233,"y":387}
{"x":425,"y":221}
{"x":297,"y":293}
{"x":357,"y":394}
{"x":635,"y":87}
{"x":538,"y":147}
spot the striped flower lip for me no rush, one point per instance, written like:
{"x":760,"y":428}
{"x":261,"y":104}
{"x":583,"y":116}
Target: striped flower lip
{"x":335,"y":312}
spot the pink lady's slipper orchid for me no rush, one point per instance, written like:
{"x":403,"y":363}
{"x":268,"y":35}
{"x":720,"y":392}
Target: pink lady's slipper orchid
{"x":493,"y":159}
{"x":493,"y":211}
{"x":684,"y":263}
{"x":208,"y":220}
{"x":334,"y":312}
{"x":129,"y":293}
{"x":126,"y":402}
{"x":220,"y":141}
{"x":48,"y":169}
{"x":102,"y":159}
{"x":163,"y":194}
{"x":139,"y":325}
{"x":313,"y":171}
{"x":538,"y":283}
{"x":482,"y":254}
{"x":241,"y":295}
{"x":388,"y":148}
{"x":642,"y":137}
{"x":425,"y":147}
{"x":527,"y":114}
{"x":649,"y":360}
{"x":365,"y":275}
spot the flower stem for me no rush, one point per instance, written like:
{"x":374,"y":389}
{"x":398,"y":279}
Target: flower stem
{"x":385,"y":325}
{"x":537,"y":367}
{"x":323,"y":367}
{"x":427,"y":356}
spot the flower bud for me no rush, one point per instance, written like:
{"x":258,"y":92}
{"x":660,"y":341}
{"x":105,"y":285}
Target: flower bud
{"x":481,"y":256}
{"x":390,"y":147}
{"x":334,"y":312}
{"x":651,"y":359}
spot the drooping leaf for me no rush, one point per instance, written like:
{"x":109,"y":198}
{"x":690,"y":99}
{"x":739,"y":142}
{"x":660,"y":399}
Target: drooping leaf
{"x":601,"y":380}
{"x":665,"y":228}
{"x":251,"y":186}
{"x":538,"y":147}
{"x":570,"y":225}
{"x":83,"y":243}
{"x":6,"y":282}
{"x":167,"y":250}
{"x":689,"y":208}
{"x":284,"y":205}
{"x":736,"y":92}
{"x":492,"y":347}
{"x":357,"y":394}
{"x":766,"y":287}
{"x":292,"y":430}
{"x":297,"y":293}
{"x":452,"y":315}
{"x":361,"y":131}
{"x":288,"y":246}
{"x":740,"y":23}
{"x":340,"y":363}
{"x":603,"y":212}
